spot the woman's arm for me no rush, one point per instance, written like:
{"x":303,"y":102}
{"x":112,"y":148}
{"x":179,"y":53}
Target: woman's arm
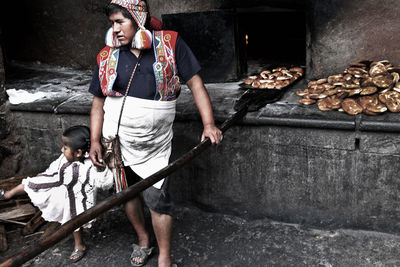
{"x":96,"y":125}
{"x":203,"y":103}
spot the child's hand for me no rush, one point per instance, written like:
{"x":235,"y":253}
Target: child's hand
{"x":96,"y":154}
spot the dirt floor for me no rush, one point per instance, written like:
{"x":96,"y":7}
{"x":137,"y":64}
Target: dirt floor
{"x":209,"y":239}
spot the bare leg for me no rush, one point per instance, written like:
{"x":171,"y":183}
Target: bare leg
{"x":18,"y":190}
{"x":135,"y":213}
{"x":162,"y":225}
{"x":79,"y":244}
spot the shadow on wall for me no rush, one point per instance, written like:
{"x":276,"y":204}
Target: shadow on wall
{"x":343,"y":31}
{"x":65,"y":33}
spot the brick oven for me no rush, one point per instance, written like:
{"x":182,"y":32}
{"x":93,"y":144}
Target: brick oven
{"x":235,"y":41}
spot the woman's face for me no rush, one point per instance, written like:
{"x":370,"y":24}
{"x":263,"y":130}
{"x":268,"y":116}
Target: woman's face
{"x":122,"y":27}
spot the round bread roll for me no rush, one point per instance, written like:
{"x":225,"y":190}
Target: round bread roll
{"x":324,"y":104}
{"x":336,"y":102}
{"x":393,"y":104}
{"x":376,"y":69}
{"x":376,"y":108}
{"x":302,"y":92}
{"x":355,"y":91}
{"x":256,"y":83}
{"x":335,"y":78}
{"x":384,"y":96}
{"x":366,"y":82}
{"x":350,"y":106}
{"x":351,"y":85}
{"x":396,"y":77}
{"x":250,"y":80}
{"x":307,"y":101}
{"x":365,"y":100}
{"x":383,"y":80}
{"x":317,"y":89}
{"x":333,"y":91}
{"x":322,"y":81}
{"x":265,"y":74}
{"x":368,"y":90}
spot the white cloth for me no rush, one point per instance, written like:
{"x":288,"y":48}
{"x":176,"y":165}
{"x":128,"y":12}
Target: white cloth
{"x":23,"y":96}
{"x":66,"y":189}
{"x":145,"y":132}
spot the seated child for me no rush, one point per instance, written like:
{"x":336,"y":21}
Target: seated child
{"x":68,"y":187}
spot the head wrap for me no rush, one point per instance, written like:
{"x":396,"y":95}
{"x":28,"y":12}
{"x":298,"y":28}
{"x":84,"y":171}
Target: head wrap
{"x":139,"y":12}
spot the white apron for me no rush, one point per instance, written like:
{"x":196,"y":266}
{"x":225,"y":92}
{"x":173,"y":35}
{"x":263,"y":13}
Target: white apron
{"x":145,"y":132}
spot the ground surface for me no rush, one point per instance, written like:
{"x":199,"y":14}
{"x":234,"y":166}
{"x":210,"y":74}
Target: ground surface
{"x":209,"y":239}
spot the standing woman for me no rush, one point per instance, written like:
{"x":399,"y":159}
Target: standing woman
{"x":163,"y":61}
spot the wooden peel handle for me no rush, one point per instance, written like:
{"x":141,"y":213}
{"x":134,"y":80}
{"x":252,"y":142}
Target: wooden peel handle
{"x":115,"y":200}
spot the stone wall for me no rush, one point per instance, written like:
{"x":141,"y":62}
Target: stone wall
{"x":314,"y":177}
{"x":4,"y":131}
{"x":70,"y":33}
{"x":64,"y":33}
{"x":343,"y":31}
{"x":311,"y":176}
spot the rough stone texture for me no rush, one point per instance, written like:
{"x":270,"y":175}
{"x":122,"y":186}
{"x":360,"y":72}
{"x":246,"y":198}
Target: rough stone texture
{"x":4,"y":152}
{"x":160,"y":7}
{"x":71,"y":33}
{"x":285,"y":161}
{"x":343,"y":31}
{"x":210,"y":239}
{"x":316,"y":177}
{"x":66,"y":33}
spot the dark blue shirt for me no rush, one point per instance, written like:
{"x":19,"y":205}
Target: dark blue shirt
{"x":144,"y":84}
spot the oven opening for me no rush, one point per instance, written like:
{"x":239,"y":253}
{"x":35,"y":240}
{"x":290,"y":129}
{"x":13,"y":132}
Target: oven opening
{"x":271,"y":37}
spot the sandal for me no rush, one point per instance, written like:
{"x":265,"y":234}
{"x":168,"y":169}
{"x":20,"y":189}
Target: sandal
{"x":2,"y":194}
{"x":141,"y":253}
{"x":77,"y":255}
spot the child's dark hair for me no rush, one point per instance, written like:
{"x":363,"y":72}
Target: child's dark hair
{"x":78,"y":138}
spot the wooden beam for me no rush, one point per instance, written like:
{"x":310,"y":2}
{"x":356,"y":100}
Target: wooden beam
{"x":3,"y":238}
{"x":18,"y":213}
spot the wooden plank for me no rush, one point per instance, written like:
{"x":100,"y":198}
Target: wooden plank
{"x":4,"y":204}
{"x":3,"y":238}
{"x":18,"y":212}
{"x":12,"y":221}
{"x":33,"y":224}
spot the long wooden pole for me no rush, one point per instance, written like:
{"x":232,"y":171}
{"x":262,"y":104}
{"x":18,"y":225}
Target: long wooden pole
{"x":115,"y":200}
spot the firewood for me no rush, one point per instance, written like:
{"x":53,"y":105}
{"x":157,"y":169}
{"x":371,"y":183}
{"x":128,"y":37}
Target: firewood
{"x":18,"y":213}
{"x":3,"y":238}
{"x":34,"y":223}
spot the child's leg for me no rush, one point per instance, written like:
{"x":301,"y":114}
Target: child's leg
{"x":79,"y":247}
{"x":18,"y":190}
{"x":78,"y":240}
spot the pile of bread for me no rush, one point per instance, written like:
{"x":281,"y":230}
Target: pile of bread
{"x":276,"y":78}
{"x":369,"y":87}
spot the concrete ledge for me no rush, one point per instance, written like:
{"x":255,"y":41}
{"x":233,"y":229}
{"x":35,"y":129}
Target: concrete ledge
{"x":67,"y":94}
{"x":286,"y":161}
